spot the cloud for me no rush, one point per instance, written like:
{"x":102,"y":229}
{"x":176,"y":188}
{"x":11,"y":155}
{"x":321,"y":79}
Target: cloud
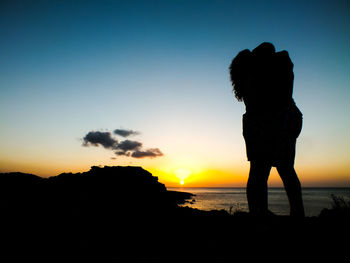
{"x":122,"y":153}
{"x":128,"y":145}
{"x":97,"y":138}
{"x":154,"y":152}
{"x":125,"y":133}
{"x":126,"y":148}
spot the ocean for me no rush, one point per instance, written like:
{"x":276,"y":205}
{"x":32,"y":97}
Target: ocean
{"x":231,"y":199}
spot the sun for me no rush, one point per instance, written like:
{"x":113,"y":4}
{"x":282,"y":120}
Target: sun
{"x":182,"y":174}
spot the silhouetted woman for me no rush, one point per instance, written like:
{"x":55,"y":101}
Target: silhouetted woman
{"x":263,"y":79}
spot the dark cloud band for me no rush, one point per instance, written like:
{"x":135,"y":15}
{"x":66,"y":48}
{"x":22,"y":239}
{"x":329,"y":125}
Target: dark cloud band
{"x":124,"y":148}
{"x":151,"y":153}
{"x":125,"y":133}
{"x":96,"y":138}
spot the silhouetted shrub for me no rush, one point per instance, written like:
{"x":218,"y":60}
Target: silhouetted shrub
{"x":340,"y":208}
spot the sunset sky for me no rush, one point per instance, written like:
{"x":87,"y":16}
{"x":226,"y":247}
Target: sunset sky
{"x":160,"y":68}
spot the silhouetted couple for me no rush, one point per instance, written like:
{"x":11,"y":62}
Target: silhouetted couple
{"x":263,"y":79}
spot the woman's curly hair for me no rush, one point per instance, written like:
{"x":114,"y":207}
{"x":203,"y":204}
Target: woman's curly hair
{"x":239,"y":72}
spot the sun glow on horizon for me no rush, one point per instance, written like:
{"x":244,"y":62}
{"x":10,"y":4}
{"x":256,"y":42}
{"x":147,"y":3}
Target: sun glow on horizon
{"x":182,"y":174}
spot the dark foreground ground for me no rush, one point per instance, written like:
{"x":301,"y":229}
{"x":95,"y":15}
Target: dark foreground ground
{"x":123,"y":214}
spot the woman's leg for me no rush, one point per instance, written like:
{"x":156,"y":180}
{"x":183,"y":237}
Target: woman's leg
{"x":257,"y":187}
{"x":293,"y":188}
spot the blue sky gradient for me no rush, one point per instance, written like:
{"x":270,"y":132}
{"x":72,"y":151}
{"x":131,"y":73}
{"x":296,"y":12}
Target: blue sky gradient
{"x":161,"y":67}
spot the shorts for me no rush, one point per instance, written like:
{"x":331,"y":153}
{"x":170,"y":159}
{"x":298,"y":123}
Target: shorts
{"x":271,"y":137}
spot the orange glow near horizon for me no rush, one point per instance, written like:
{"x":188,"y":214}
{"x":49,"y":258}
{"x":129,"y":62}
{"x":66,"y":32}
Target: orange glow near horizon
{"x":189,"y":173}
